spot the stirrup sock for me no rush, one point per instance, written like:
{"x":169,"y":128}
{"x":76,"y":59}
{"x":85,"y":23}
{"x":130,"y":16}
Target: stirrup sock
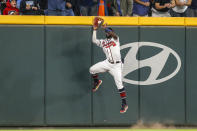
{"x":123,"y":95}
{"x":95,"y":78}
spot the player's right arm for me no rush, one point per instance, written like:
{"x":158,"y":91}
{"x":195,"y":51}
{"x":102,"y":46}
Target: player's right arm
{"x":94,"y":39}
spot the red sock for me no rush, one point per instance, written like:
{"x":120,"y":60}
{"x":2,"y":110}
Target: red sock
{"x":95,"y":78}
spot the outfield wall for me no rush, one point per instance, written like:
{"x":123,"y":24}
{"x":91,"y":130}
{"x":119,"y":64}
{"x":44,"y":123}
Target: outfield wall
{"x":45,"y":80}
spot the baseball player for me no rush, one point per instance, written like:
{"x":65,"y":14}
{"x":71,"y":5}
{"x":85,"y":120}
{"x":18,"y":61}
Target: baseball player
{"x":112,"y":64}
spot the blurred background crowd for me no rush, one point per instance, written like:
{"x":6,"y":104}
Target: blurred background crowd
{"x":146,"y":8}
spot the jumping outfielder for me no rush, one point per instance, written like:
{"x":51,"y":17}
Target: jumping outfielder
{"x":112,"y":64}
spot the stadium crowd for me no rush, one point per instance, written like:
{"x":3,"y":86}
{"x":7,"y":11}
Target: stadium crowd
{"x":146,"y":8}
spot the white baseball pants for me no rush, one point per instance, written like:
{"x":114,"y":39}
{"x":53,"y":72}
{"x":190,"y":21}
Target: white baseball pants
{"x":114,"y":69}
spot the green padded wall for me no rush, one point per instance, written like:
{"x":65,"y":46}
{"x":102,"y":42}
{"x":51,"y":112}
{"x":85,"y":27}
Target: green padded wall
{"x":106,"y":101}
{"x":191,"y":72}
{"x":45,"y":80}
{"x":21,"y":75}
{"x":68,"y":58}
{"x":163,"y":102}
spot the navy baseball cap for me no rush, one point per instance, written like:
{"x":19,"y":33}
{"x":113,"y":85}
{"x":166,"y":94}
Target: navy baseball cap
{"x":108,"y":29}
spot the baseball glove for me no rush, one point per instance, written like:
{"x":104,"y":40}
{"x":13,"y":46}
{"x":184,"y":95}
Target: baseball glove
{"x":98,"y":22}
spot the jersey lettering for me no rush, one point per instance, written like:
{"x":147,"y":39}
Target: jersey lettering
{"x":107,"y":45}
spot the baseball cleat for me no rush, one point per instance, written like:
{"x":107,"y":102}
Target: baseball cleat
{"x":124,"y":108}
{"x":97,"y":86}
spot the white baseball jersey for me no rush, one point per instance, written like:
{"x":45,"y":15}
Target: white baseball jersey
{"x":111,"y":47}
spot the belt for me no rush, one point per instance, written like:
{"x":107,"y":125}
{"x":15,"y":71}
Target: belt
{"x":114,"y":62}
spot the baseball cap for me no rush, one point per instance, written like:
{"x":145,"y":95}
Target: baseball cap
{"x":108,"y":29}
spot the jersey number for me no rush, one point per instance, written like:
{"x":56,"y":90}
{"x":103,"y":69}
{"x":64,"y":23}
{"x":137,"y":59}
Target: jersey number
{"x":109,"y":44}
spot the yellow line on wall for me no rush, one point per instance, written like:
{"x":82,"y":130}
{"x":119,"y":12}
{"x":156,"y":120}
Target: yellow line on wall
{"x":68,"y":20}
{"x":122,"y":21}
{"x":190,"y":21}
{"x":164,"y":21}
{"x":34,"y":20}
{"x":87,"y":20}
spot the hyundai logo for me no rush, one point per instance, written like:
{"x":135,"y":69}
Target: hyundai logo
{"x":156,"y":63}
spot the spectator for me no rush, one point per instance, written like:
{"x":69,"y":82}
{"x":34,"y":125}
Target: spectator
{"x":180,"y":9}
{"x":88,"y":7}
{"x":161,"y":8}
{"x":122,"y":7}
{"x":30,"y":7}
{"x":2,"y":6}
{"x":43,"y":4}
{"x":59,"y":8}
{"x":110,"y":8}
{"x":69,"y":7}
{"x":75,"y":6}
{"x":18,"y":4}
{"x":11,"y":8}
{"x":192,"y":10}
{"x":150,"y":8}
{"x":141,"y":7}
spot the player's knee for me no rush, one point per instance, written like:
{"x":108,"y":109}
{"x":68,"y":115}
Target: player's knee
{"x":91,"y":70}
{"x":119,"y":85}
